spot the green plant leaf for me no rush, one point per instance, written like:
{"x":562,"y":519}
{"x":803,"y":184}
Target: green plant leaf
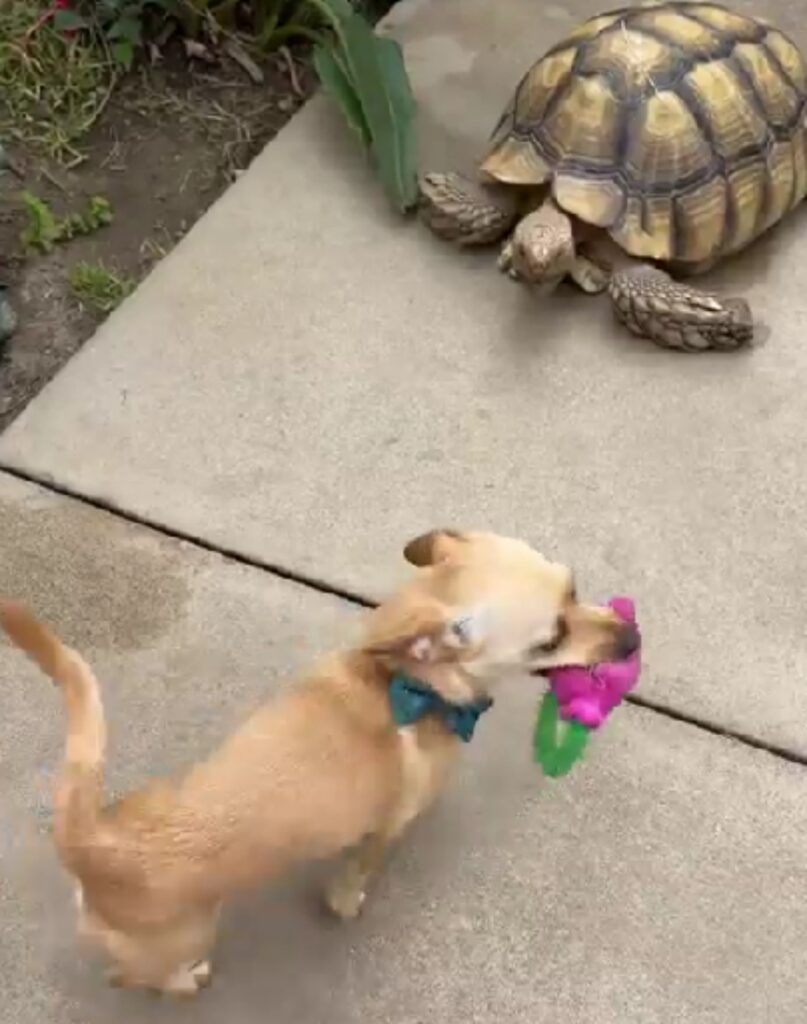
{"x":43,"y":229}
{"x":266,"y":14}
{"x":123,"y":53}
{"x":341,"y":9}
{"x":377,"y":72}
{"x":99,"y":210}
{"x":107,"y":10}
{"x":336,"y":82}
{"x":127,"y":28}
{"x":68,"y":21}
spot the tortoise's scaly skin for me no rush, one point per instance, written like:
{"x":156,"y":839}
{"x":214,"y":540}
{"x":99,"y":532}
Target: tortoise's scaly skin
{"x":679,"y":129}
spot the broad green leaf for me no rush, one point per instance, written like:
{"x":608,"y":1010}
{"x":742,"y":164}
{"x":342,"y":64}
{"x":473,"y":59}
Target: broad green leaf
{"x":376,"y":69}
{"x":123,"y":53}
{"x":338,"y":11}
{"x":335,"y":81}
{"x":343,"y":9}
{"x":68,"y":21}
{"x":126,"y":28}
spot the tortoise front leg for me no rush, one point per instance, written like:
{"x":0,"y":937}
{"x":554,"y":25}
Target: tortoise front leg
{"x":463,"y":211}
{"x":651,"y":304}
{"x":588,"y":275}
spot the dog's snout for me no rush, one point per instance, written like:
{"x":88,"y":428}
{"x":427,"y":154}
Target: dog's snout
{"x":627,"y":641}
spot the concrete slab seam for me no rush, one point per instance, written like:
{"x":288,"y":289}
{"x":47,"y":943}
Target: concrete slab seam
{"x":359,"y":600}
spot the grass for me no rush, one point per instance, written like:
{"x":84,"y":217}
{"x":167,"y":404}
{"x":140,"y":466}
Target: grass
{"x":52,"y":88}
{"x":97,"y":286}
{"x":55,"y":84}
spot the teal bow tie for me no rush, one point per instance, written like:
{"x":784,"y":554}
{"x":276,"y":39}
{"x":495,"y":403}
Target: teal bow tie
{"x":411,"y":700}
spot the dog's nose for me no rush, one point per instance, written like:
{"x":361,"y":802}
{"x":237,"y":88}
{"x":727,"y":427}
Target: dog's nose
{"x":627,"y":641}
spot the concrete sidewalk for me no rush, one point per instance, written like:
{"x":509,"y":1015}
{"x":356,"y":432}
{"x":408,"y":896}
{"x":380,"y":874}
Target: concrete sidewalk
{"x":663,"y":880}
{"x":307,"y":380}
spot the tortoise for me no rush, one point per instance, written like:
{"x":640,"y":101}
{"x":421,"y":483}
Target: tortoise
{"x":652,"y":141}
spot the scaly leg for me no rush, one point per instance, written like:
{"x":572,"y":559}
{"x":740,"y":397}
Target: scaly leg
{"x":651,"y":304}
{"x":505,"y":260}
{"x":589,"y":276}
{"x":462,"y":211}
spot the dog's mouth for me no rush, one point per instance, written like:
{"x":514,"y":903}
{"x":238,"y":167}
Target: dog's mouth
{"x":545,"y":673}
{"x":626,"y":645}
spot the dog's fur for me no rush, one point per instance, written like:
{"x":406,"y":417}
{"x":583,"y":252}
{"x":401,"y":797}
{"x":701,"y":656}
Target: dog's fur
{"x":312,"y":774}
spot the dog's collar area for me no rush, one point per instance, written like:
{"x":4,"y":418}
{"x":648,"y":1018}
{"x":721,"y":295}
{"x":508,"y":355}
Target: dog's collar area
{"x":410,"y":700}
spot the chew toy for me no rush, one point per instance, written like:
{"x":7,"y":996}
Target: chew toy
{"x":579,"y":700}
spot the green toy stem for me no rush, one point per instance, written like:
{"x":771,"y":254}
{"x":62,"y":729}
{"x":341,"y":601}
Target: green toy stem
{"x":556,"y":744}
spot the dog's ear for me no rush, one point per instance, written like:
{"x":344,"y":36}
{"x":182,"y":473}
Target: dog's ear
{"x":423,"y":631}
{"x":430,"y":548}
{"x":406,"y":630}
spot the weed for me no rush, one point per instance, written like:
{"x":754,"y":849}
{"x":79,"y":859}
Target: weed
{"x":275,"y":22}
{"x":60,"y":60}
{"x":97,"y":286}
{"x":118,"y":26}
{"x":53,"y":85}
{"x":45,"y":229}
{"x":97,"y":214}
{"x":42,"y":230}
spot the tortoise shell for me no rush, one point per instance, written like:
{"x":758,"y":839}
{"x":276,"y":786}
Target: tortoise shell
{"x":680,"y":128}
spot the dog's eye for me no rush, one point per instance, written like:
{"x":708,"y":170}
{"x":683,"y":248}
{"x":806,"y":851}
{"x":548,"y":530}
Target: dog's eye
{"x":547,"y":648}
{"x":551,"y":645}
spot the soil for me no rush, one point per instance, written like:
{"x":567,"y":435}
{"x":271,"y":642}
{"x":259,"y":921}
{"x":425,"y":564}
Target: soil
{"x":167,"y":144}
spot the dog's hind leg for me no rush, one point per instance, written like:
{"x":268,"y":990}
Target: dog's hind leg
{"x":186,"y":980}
{"x":173,"y":960}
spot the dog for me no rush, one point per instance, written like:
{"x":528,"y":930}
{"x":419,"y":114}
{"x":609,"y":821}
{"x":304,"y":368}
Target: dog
{"x":332,"y":769}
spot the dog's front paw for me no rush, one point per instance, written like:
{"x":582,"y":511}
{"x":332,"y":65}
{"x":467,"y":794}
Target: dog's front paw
{"x":188,"y":981}
{"x":202,"y":973}
{"x":115,"y":977}
{"x":343,"y":900}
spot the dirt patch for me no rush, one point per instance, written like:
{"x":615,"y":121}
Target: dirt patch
{"x":168,"y":142}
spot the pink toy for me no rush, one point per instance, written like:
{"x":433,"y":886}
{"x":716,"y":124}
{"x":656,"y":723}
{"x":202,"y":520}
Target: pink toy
{"x":583,"y":698}
{"x":587,"y":695}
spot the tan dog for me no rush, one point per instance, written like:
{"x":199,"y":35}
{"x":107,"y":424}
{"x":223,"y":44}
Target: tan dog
{"x":312,"y":774}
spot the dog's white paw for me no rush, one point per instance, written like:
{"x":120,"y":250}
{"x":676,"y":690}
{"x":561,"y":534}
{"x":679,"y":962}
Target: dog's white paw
{"x":202,"y":973}
{"x":115,"y":977}
{"x":345,"y":901}
{"x":188,"y":980}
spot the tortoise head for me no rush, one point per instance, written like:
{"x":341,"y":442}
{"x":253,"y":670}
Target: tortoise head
{"x":542,"y":247}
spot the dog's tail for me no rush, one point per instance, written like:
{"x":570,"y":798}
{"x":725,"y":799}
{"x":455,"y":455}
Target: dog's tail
{"x":79,"y":784}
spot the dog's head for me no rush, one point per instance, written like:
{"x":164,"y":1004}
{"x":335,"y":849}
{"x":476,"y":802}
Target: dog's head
{"x":489,"y":606}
